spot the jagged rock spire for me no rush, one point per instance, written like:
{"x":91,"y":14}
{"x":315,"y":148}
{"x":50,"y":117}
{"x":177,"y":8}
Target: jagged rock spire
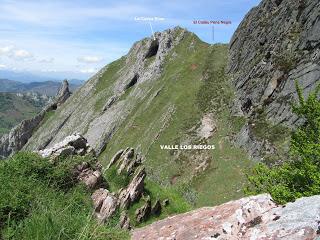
{"x":63,"y":93}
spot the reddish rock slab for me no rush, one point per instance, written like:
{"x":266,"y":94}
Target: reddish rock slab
{"x":256,"y":217}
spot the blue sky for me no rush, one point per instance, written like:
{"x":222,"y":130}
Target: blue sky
{"x":75,"y":38}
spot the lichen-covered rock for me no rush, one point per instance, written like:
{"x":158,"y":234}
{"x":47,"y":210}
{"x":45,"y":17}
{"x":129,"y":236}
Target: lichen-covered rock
{"x":105,"y":204}
{"x":134,"y":190}
{"x":256,"y":217}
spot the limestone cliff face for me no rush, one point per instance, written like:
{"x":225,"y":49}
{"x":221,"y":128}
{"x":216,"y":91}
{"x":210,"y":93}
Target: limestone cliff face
{"x":275,"y":45}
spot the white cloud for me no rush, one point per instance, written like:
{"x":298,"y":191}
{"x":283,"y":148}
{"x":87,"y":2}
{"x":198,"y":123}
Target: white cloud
{"x":12,"y":52}
{"x":90,"y":59}
{"x":88,"y":70}
{"x":3,"y":66}
{"x":46,"y":60}
{"x":21,"y":54}
{"x":6,"y":50}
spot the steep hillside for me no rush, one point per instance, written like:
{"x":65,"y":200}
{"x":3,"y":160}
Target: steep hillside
{"x":15,"y":107}
{"x":168,"y":91}
{"x":276,"y":44}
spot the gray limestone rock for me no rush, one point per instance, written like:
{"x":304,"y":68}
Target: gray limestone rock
{"x":134,"y":190}
{"x":70,"y":145}
{"x":63,"y":93}
{"x":276,"y":44}
{"x":105,"y":204}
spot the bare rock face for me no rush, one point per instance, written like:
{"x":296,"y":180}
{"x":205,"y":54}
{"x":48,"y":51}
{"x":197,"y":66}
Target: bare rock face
{"x":134,"y":190}
{"x":70,"y":145}
{"x":276,"y":44}
{"x":256,"y":217}
{"x":105,"y":204}
{"x":13,"y":141}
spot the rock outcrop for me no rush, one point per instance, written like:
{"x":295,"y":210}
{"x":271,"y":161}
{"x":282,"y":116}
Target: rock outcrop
{"x":134,"y":190}
{"x":276,"y":44}
{"x":63,"y":93}
{"x":105,"y":204}
{"x":15,"y":140}
{"x":124,"y":222}
{"x":256,"y":217}
{"x":73,"y":144}
{"x":144,"y":212}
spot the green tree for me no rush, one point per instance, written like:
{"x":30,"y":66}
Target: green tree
{"x":301,"y":176}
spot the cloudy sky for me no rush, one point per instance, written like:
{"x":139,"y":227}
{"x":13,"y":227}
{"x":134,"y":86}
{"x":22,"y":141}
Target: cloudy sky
{"x":77,"y":37}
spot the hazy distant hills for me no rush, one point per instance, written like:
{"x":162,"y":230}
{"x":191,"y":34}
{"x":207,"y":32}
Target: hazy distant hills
{"x":27,"y":77}
{"x":49,"y":88}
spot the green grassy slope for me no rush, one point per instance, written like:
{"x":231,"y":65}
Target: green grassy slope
{"x":41,"y":200}
{"x":168,"y":111}
{"x":193,"y":84}
{"x":14,"y":109}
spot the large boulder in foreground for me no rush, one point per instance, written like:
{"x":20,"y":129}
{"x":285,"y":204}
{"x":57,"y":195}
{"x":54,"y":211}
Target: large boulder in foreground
{"x":256,"y":217}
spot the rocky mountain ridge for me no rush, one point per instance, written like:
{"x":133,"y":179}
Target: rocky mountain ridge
{"x":98,"y":123}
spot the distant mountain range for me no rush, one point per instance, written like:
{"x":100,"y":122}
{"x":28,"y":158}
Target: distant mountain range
{"x":27,"y":77}
{"x":49,"y":88}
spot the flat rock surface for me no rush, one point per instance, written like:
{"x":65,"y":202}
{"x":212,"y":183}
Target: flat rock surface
{"x":256,"y":217}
